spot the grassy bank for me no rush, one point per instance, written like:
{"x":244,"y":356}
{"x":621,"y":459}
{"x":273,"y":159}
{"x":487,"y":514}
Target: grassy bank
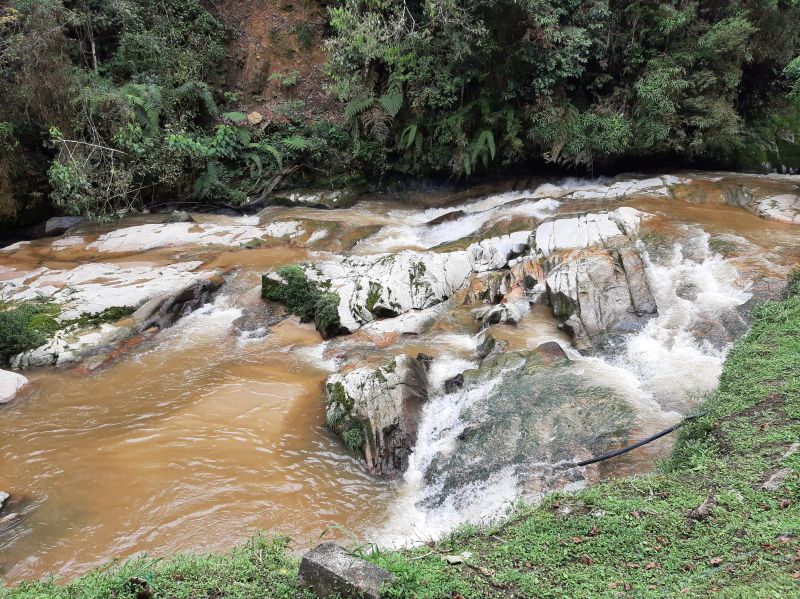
{"x":704,"y":523}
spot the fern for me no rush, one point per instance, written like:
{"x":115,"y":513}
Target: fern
{"x":207,"y":181}
{"x":484,"y":148}
{"x":199,"y":92}
{"x":356,"y":106}
{"x":146,"y":102}
{"x":296,"y":143}
{"x":392,"y":100}
{"x":271,"y":150}
{"x":236,"y":117}
{"x":376,"y":122}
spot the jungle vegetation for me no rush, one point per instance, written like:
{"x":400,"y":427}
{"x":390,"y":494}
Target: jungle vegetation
{"x":112,"y":106}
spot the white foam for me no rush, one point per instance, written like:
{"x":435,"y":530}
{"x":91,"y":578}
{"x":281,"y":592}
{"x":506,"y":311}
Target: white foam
{"x":672,"y":363}
{"x":415,"y":233}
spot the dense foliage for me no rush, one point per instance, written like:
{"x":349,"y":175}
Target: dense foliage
{"x":464,"y":85}
{"x":116,"y":105}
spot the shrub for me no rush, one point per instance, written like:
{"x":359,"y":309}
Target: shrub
{"x":26,"y":327}
{"x":303,"y":298}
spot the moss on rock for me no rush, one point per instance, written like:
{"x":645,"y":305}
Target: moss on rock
{"x":303,"y":297}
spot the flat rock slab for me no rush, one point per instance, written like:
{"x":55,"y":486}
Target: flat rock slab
{"x":330,"y":571}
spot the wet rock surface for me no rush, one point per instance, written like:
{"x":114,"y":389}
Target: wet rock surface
{"x":525,"y":411}
{"x":10,"y":385}
{"x":379,"y":409}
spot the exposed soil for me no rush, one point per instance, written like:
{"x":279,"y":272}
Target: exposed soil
{"x":277,"y":42}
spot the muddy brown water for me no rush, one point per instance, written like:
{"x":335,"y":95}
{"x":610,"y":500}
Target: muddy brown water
{"x":195,"y":439}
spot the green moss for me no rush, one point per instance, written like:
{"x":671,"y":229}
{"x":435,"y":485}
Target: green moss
{"x":303,"y":297}
{"x":373,"y":295}
{"x":326,"y":314}
{"x":109,"y":315}
{"x":26,"y":326}
{"x":339,"y":396}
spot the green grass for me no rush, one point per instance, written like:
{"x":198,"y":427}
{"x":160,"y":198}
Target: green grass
{"x":630,"y":537}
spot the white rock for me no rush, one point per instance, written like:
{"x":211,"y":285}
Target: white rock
{"x":587,"y":230}
{"x":10,"y":384}
{"x":94,"y":287}
{"x":393,"y":284}
{"x":784,"y":208}
{"x":3,"y":498}
{"x":147,"y":237}
{"x":414,"y":322}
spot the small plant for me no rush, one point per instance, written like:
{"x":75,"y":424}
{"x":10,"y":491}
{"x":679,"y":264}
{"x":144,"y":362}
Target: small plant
{"x":304,"y":32}
{"x":353,"y":438}
{"x":287,"y":80}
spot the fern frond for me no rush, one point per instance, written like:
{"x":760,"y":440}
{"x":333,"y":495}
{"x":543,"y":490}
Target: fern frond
{"x":356,"y":106}
{"x":296,"y":143}
{"x":392,"y":100}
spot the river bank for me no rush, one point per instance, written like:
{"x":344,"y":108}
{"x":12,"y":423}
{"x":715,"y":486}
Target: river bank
{"x":719,"y":516}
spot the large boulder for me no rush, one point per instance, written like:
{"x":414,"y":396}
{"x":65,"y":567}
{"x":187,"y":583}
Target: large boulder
{"x":596,"y":292}
{"x":61,"y":224}
{"x":387,"y":285}
{"x":100,"y":305}
{"x":10,"y":384}
{"x":377,"y":411}
{"x":521,"y":412}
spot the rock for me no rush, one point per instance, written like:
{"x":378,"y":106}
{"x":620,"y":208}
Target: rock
{"x":10,"y":384}
{"x":159,"y":293}
{"x":594,"y":294}
{"x":3,"y":498}
{"x":495,"y":252}
{"x":413,"y":322}
{"x":486,"y":344}
{"x":506,"y":313}
{"x":447,"y":217}
{"x":587,"y":230}
{"x":551,"y":353}
{"x":379,"y":410}
{"x":425,"y":360}
{"x":178,"y":216}
{"x":61,"y":224}
{"x":175,"y":234}
{"x":522,"y":417}
{"x":783,"y":208}
{"x":776,"y":480}
{"x":330,"y":571}
{"x":453,"y":384}
{"x":387,"y":285}
{"x":163,"y":310}
{"x":255,"y":117}
{"x":315,"y":198}
{"x":488,"y":287}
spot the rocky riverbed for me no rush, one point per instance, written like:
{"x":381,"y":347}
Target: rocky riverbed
{"x":434,"y":355}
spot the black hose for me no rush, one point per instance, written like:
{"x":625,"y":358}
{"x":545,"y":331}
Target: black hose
{"x":614,"y":454}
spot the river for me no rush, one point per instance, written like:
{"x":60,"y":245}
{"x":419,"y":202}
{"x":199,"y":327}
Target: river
{"x":194,"y":438}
